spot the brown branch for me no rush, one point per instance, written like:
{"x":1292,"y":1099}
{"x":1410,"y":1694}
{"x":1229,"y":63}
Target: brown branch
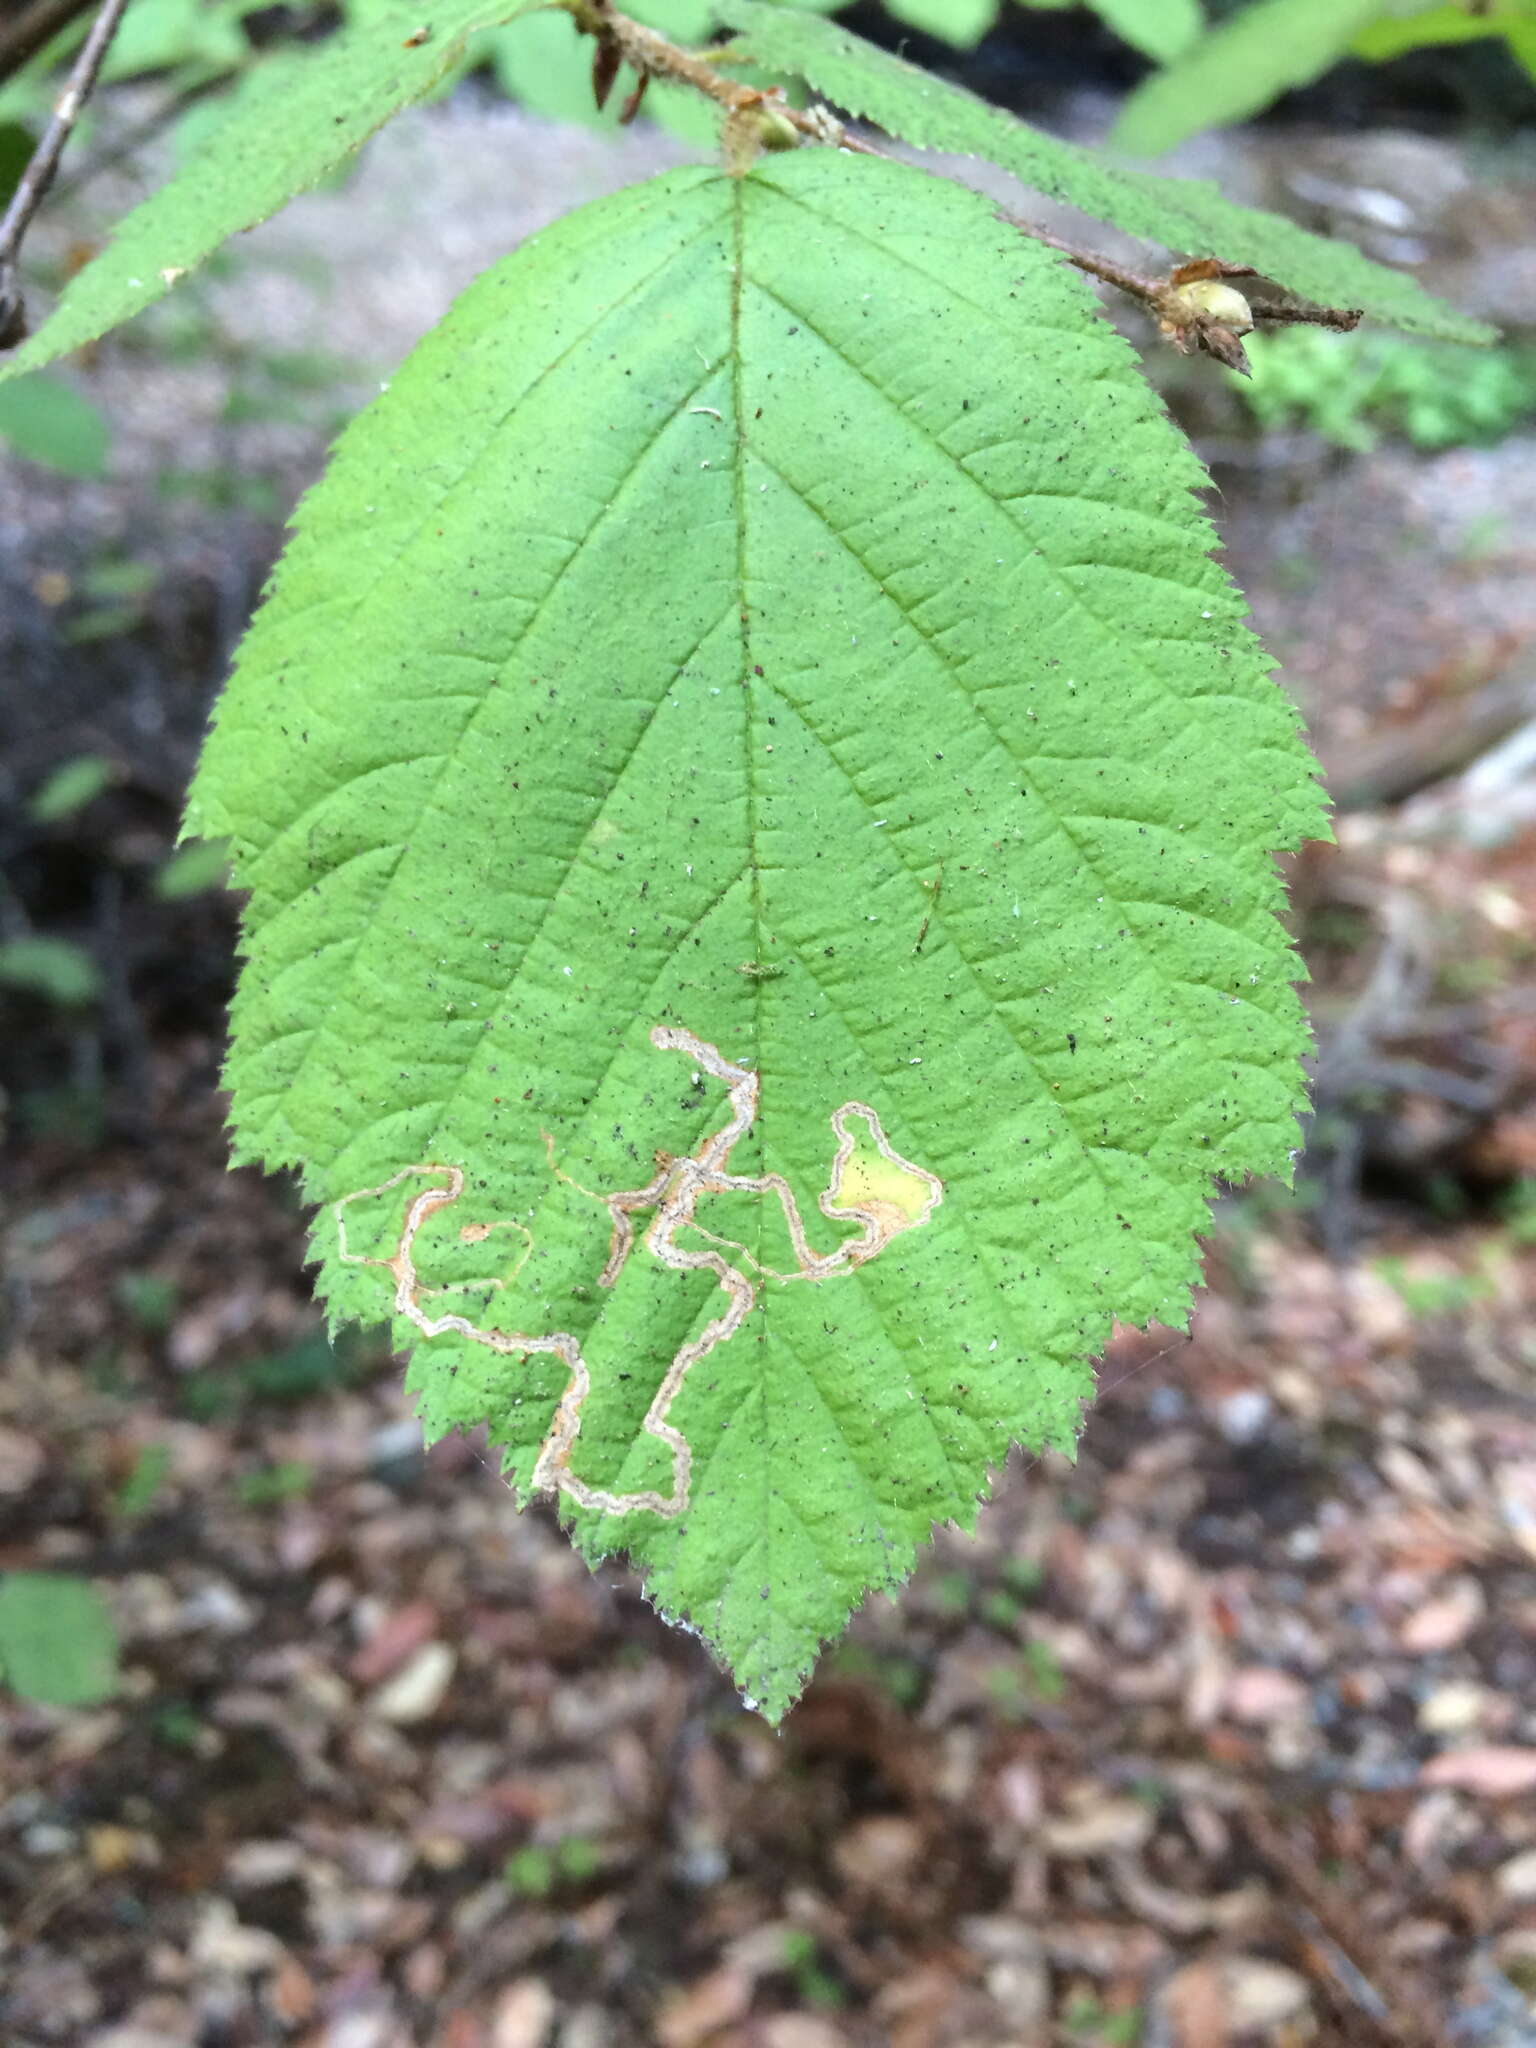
{"x":756,"y":116}
{"x":1344,"y":318}
{"x":1194,"y":305}
{"x":623,"y":41}
{"x":33,"y":27}
{"x":1144,"y":289}
{"x":38,"y":175}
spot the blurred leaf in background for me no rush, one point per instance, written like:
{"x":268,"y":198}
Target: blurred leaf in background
{"x":537,"y":1869}
{"x":187,"y":44}
{"x":1243,"y":64}
{"x":190,"y":37}
{"x":114,"y":591}
{"x":149,"y":1298}
{"x":1238,"y":68}
{"x":1160,"y":29}
{"x":311,"y":1368}
{"x":1396,"y":32}
{"x":16,"y":146}
{"x":961,"y":23}
{"x":200,"y":864}
{"x":71,"y":786}
{"x":141,"y":1489}
{"x":288,"y":1480}
{"x":55,"y":969}
{"x":47,"y":421}
{"x":57,"y":1643}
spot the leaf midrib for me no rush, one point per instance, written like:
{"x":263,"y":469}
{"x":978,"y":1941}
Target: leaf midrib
{"x":451,"y":758}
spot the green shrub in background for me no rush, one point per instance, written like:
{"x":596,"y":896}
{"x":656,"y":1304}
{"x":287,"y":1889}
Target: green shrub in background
{"x":190,"y":44}
{"x":1245,"y":62}
{"x":1352,"y":390}
{"x":54,"y":969}
{"x":1212,"y":73}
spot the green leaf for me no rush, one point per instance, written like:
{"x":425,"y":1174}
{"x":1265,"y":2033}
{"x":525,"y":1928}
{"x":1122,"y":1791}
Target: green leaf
{"x":1238,"y":68}
{"x":16,"y":147}
{"x":192,"y":869}
{"x":295,"y":120}
{"x":49,"y":422}
{"x":63,"y":973}
{"x":1184,"y":214}
{"x":57,"y":1642}
{"x":544,"y":62}
{"x":120,"y":577}
{"x":164,"y":35}
{"x":961,"y":23}
{"x":763,"y":640}
{"x":1394,"y":34}
{"x":141,"y":1489}
{"x":1160,"y":29}
{"x":71,"y":786}
{"x":1345,"y":387}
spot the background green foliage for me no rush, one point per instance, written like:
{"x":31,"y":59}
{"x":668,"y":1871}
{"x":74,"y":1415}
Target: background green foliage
{"x":193,"y":44}
{"x":296,"y":118}
{"x":1215,"y":71}
{"x":1242,"y":64}
{"x":52,"y":968}
{"x":47,"y":421}
{"x":57,"y":1643}
{"x":1352,"y":389}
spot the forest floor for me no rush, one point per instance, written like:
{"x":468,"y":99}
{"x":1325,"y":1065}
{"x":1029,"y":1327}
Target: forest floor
{"x":1224,"y":1734}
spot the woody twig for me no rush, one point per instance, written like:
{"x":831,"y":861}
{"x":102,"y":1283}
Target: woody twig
{"x":39,"y":174}
{"x":1195,"y":305}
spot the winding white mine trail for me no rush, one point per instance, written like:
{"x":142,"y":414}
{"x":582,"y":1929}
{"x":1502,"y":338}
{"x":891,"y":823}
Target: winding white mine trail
{"x":870,"y":1184}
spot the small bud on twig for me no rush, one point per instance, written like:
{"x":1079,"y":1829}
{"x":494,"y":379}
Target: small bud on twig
{"x":1206,"y":314}
{"x":775,"y":131}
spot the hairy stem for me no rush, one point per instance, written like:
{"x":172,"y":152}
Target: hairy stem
{"x":757,"y":118}
{"x":622,"y":40}
{"x":1131,"y":282}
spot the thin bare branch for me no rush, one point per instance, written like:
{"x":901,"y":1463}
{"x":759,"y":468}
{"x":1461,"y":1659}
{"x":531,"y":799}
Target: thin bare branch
{"x":1344,"y":318}
{"x":1136,"y":286}
{"x":38,"y":175}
